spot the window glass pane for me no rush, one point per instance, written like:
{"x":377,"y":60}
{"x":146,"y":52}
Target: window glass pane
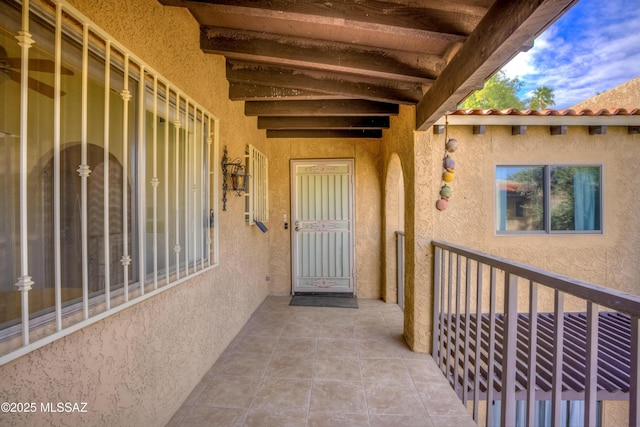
{"x":520,"y":201}
{"x":79,"y":182}
{"x":41,"y":172}
{"x":575,"y":198}
{"x":112,"y":167}
{"x":204,"y":177}
{"x":176,"y":218}
{"x":9,"y":169}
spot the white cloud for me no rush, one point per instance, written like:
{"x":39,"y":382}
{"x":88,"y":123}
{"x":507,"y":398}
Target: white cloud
{"x":519,"y":66}
{"x":588,"y":51}
{"x":524,"y":63}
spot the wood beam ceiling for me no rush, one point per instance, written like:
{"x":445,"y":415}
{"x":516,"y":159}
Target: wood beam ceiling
{"x":350,"y":107}
{"x":324,"y":133}
{"x":298,"y":52}
{"x":312,"y":68}
{"x":353,"y":118}
{"x":320,"y":81}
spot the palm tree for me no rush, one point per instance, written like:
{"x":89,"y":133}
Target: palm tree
{"x":542,"y":98}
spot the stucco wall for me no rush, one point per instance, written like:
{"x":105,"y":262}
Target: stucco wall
{"x":135,"y":368}
{"x":367,"y":188}
{"x":394,"y":207}
{"x":607,"y":259}
{"x":626,"y":95}
{"x":415,"y":151}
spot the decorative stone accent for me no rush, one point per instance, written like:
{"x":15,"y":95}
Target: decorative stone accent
{"x":84,"y":171}
{"x":126,"y":95}
{"x":24,"y":283}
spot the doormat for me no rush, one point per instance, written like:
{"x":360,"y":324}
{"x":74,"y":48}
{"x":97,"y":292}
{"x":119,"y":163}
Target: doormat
{"x":324,"y":301}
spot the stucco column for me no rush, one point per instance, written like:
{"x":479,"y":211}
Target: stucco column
{"x":419,"y":230}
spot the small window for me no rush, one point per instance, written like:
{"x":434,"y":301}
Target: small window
{"x":257,"y":196}
{"x":548,"y":199}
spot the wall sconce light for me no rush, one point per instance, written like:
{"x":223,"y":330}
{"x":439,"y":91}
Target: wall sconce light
{"x":234,"y":174}
{"x":238,"y":179}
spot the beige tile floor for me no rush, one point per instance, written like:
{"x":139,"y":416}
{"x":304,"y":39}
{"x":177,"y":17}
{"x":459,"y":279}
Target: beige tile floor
{"x":322,"y":367}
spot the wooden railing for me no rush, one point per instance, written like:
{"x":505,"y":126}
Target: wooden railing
{"x":504,"y":331}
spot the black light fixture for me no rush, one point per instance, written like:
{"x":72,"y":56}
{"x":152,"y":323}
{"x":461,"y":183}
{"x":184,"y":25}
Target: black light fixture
{"x":234,"y":173}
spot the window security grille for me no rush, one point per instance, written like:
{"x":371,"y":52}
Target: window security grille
{"x":257,"y":196}
{"x":105,"y":179}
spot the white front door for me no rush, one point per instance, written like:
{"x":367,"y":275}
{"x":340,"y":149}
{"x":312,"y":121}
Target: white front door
{"x":322,"y":232}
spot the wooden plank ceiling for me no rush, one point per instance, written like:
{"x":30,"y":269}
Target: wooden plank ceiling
{"x":340,"y":68}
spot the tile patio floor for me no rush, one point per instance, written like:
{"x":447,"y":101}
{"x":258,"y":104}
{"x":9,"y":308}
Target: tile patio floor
{"x":316,"y":367}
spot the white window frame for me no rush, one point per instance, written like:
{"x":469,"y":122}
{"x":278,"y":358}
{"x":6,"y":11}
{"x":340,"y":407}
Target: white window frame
{"x":34,"y":332}
{"x":257,"y":195}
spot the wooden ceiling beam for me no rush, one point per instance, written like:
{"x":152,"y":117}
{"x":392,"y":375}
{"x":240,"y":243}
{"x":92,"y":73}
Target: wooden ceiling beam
{"x":382,"y":16}
{"x":325,"y":133}
{"x":329,"y":56}
{"x":335,"y":122}
{"x":347,"y":107}
{"x":321,"y":28}
{"x":329,"y":83}
{"x":506,"y":27}
{"x":472,"y":8}
{"x":252,"y":92}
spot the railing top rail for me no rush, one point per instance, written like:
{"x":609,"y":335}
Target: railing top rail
{"x":606,"y":297}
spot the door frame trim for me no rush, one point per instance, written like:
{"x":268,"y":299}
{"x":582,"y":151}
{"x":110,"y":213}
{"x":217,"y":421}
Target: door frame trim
{"x":352,"y":203}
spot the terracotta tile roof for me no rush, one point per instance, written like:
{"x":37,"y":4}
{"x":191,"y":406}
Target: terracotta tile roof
{"x":548,"y":117}
{"x":548,"y":112}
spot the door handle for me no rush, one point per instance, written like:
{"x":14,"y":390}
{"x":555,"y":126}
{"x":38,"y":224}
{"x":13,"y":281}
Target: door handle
{"x":297,"y":226}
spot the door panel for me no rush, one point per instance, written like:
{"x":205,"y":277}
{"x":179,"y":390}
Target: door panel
{"x":322,"y":235}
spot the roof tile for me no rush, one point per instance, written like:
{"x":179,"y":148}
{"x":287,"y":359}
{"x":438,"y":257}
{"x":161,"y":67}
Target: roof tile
{"x":547,"y":112}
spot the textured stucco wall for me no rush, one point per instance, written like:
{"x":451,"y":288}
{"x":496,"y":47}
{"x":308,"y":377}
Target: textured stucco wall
{"x":607,"y":259}
{"x":394,"y":206}
{"x":135,"y":368}
{"x":626,"y":95}
{"x":367,"y":188}
{"x":415,"y":151}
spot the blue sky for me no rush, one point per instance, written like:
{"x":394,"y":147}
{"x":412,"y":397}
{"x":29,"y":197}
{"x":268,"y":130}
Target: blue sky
{"x":593,"y":47}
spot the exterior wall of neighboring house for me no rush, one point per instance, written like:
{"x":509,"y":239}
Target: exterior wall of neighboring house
{"x":607,"y":259}
{"x":135,"y":368}
{"x":626,"y":95}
